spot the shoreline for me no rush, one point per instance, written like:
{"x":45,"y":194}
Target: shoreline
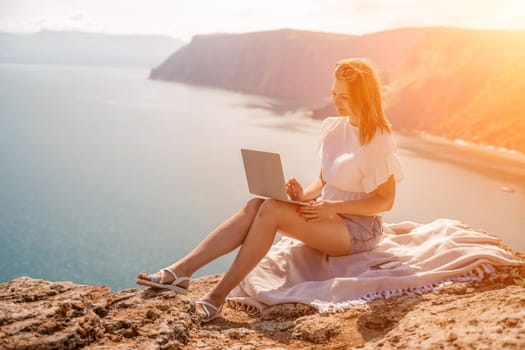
{"x":308,"y":108}
{"x":500,"y":152}
{"x":506,"y":166}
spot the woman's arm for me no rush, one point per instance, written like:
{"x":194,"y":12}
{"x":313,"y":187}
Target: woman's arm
{"x":314,"y":190}
{"x":381,"y":200}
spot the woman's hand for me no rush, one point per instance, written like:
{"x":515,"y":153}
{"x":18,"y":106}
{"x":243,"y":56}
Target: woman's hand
{"x":322,"y":209}
{"x":294,"y":189}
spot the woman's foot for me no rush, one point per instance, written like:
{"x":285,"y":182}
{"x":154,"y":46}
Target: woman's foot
{"x":169,"y":278}
{"x":209,"y":306}
{"x":208,"y":309}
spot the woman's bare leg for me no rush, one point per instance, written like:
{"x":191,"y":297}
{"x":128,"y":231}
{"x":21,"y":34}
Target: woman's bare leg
{"x":330,"y":236}
{"x":222,"y":240}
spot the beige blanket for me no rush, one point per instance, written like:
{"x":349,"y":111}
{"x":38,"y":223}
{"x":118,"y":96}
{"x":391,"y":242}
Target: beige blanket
{"x":411,"y":258}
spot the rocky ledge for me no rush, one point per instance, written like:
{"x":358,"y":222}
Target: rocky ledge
{"x":37,"y":314}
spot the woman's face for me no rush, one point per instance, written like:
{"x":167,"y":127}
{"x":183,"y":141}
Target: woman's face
{"x":341,"y":97}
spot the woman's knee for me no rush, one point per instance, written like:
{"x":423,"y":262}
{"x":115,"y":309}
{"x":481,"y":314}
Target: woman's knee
{"x":253,"y":205}
{"x":270,"y":208}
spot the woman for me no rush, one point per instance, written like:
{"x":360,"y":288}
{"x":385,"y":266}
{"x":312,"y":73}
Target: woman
{"x":356,"y":185}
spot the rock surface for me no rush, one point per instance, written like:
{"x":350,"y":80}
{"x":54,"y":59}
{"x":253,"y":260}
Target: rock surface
{"x":37,"y":314}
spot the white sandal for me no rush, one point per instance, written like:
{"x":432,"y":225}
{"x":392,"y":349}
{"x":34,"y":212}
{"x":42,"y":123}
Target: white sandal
{"x":155,"y":282}
{"x":207,"y":316}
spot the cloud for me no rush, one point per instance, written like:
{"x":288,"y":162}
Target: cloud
{"x":512,"y":16}
{"x":78,"y":17}
{"x":185,"y":18}
{"x":75,"y":22}
{"x":406,"y":22}
{"x":384,"y":5}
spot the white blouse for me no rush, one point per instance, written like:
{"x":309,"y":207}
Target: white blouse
{"x":353,"y":171}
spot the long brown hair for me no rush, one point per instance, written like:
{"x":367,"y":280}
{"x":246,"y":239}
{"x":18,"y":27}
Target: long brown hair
{"x":365,"y":96}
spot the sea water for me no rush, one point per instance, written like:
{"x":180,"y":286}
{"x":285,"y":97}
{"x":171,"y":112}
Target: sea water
{"x":105,"y":173}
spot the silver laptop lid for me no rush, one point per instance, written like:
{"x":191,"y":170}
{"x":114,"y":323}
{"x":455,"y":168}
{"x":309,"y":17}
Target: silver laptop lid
{"x":264,"y":173}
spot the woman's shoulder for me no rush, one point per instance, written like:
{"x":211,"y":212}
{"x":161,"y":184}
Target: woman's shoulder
{"x":330,"y":120}
{"x":383,"y":141}
{"x":330,"y":123}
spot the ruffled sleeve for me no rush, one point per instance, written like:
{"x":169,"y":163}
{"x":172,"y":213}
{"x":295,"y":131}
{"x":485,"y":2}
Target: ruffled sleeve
{"x":381,"y":161}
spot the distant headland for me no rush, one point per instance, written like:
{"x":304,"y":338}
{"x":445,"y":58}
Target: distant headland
{"x":451,"y":82}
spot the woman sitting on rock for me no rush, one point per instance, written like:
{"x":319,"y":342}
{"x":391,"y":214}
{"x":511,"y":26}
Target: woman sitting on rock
{"x":357,"y":184}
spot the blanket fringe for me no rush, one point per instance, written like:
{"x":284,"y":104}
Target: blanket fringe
{"x":477,"y":274}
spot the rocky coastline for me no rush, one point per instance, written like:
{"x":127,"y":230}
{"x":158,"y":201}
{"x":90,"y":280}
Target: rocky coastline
{"x":38,"y":314}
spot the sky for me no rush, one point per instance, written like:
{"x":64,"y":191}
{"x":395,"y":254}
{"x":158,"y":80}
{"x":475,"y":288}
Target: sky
{"x":184,"y":18}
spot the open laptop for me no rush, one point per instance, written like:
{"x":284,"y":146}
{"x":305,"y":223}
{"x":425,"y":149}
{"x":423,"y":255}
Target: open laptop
{"x":265,"y":176}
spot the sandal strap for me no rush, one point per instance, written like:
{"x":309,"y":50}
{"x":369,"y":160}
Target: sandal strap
{"x":207,"y":305}
{"x":176,"y":279}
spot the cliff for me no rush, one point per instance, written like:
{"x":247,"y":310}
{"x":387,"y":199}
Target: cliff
{"x":37,"y":314}
{"x":451,"y":82}
{"x":282,"y":63}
